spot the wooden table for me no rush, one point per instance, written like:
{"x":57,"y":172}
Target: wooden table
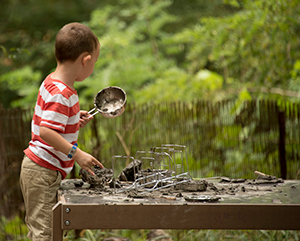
{"x":276,"y":209}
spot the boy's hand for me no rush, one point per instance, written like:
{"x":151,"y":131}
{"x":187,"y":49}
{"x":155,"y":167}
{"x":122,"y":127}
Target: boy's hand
{"x":85,"y":118}
{"x":86,"y":161}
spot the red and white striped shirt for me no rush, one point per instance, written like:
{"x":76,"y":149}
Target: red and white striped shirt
{"x":57,"y":107}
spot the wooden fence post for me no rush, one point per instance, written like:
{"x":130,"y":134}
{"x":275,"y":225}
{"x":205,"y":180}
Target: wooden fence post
{"x":281,"y":144}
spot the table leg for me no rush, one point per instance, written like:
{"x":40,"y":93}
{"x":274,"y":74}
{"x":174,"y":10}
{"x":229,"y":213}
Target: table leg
{"x":57,"y":231}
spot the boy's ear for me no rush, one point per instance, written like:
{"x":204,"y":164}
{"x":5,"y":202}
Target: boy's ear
{"x":85,"y":59}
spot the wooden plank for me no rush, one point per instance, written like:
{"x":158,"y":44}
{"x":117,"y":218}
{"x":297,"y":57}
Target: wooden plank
{"x":191,"y":216}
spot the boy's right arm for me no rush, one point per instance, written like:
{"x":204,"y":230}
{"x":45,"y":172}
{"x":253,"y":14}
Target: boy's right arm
{"x":54,"y":139}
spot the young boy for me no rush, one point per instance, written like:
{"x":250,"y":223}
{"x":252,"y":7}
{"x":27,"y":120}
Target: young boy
{"x":55,"y":126}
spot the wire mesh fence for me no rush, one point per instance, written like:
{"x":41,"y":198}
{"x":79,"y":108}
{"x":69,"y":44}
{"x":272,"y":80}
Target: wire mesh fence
{"x":226,"y":138}
{"x":14,"y":136}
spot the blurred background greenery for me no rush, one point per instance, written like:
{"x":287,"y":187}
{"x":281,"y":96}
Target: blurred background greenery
{"x":158,"y":50}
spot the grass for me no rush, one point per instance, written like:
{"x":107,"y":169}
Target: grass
{"x":191,"y":235}
{"x":15,"y":229}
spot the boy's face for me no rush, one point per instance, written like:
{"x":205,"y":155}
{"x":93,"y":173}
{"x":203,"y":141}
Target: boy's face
{"x":90,"y":63}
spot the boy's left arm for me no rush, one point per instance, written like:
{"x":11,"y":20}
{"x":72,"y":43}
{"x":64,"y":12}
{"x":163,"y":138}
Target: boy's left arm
{"x":84,"y":118}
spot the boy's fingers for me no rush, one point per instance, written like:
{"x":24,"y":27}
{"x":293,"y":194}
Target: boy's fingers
{"x":83,"y":113}
{"x":97,"y":163}
{"x":91,"y":172}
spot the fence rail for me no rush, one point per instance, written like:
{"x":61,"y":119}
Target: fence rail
{"x":226,"y":138}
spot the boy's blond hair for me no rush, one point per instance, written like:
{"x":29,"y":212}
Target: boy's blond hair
{"x":72,"y":40}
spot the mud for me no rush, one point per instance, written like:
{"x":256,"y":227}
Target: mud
{"x":205,"y":190}
{"x":102,"y":177}
{"x":105,"y":176}
{"x":103,"y":188}
{"x":110,"y":106}
{"x":128,"y":172}
{"x":110,"y":100}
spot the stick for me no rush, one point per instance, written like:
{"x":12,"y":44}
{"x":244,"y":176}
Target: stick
{"x":261,"y":174}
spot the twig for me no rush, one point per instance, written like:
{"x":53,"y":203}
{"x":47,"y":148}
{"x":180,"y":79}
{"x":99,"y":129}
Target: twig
{"x":123,"y":143}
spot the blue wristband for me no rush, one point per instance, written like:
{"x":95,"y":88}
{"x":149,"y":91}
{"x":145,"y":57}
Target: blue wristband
{"x":73,"y":150}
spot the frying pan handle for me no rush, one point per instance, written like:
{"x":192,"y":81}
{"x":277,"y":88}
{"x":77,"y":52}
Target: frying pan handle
{"x":90,"y":112}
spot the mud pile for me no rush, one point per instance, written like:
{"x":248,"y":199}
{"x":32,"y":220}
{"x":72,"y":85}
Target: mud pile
{"x":204,"y":190}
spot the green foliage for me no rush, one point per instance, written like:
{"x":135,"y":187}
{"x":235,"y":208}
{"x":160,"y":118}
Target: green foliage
{"x":247,"y":43}
{"x":294,"y":83}
{"x":175,"y":84}
{"x":139,"y":49}
{"x":14,"y":229}
{"x":205,"y":82}
{"x":20,"y":87}
{"x":239,"y":235}
{"x":131,"y":40}
{"x":191,"y":235}
{"x":169,"y":87}
{"x":256,"y":46}
{"x":13,"y":53}
{"x":27,"y":41}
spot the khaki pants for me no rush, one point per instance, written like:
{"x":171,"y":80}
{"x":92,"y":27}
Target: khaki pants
{"x":39,"y":187}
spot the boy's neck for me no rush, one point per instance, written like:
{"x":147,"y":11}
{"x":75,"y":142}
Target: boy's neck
{"x":66,"y":73}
